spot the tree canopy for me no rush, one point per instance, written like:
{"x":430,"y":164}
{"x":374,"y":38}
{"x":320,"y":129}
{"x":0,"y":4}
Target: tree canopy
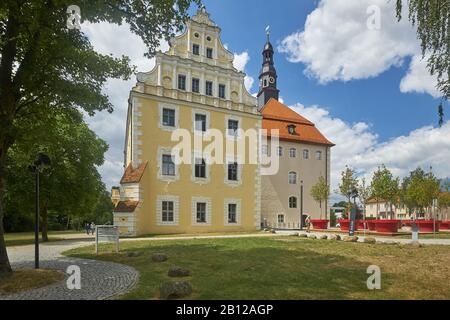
{"x":44,"y":65}
{"x":432,"y":18}
{"x":320,"y":193}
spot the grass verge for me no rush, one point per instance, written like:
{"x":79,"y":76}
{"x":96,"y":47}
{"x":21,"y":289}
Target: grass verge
{"x":26,"y":279}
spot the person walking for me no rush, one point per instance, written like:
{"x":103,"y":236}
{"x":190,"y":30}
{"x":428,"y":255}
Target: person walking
{"x":308,"y":224}
{"x":92,"y":227}
{"x":87,"y":226}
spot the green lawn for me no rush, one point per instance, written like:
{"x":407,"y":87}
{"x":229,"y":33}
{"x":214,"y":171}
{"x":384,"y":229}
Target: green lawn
{"x":441,"y":235}
{"x":24,"y":238}
{"x":287,"y":268}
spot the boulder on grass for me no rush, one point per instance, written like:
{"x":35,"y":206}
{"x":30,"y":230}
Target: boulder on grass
{"x":389,"y":242}
{"x":370,"y":240}
{"x":323,"y":237}
{"x":177,"y":272}
{"x":174,"y":290}
{"x":312,"y":236}
{"x":351,"y":239}
{"x":303,"y":235}
{"x":159,"y":257}
{"x":332,"y":237}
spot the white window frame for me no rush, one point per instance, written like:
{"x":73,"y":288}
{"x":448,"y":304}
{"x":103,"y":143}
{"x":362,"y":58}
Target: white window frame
{"x":163,"y":106}
{"x":239,"y":132}
{"x":238,"y":203}
{"x":198,"y":155}
{"x":294,"y":152}
{"x":208,"y":202}
{"x":176,"y":208}
{"x":319,"y":155}
{"x":279,"y":151}
{"x":208,"y":121}
{"x":166,"y":151}
{"x":185,"y":82}
{"x":239,"y":173}
{"x":278,"y":218}
{"x":306,"y":154}
{"x":296,"y":201}
{"x":296,"y":178}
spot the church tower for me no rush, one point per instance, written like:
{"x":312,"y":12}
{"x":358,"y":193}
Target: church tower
{"x":268,"y":76}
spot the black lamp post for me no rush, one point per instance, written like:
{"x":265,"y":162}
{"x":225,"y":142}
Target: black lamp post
{"x":301,"y":205}
{"x":41,"y":161}
{"x":353,"y":214}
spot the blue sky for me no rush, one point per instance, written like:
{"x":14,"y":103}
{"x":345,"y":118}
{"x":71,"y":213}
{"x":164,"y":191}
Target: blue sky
{"x":377,"y":101}
{"x":347,"y":65}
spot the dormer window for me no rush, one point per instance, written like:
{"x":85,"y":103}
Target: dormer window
{"x":291,"y":129}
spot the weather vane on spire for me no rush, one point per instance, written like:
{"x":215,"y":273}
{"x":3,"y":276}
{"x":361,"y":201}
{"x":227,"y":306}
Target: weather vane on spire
{"x":268,"y":32}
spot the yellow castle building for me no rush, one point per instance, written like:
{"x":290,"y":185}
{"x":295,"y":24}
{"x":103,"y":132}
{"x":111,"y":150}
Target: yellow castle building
{"x":192,"y":88}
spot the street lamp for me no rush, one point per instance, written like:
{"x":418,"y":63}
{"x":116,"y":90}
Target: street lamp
{"x":41,"y":161}
{"x":354,"y":195}
{"x":301,"y":205}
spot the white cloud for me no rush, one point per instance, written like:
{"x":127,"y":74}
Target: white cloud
{"x":359,"y":147}
{"x":337,"y":45}
{"x":239,"y":62}
{"x":418,"y":79}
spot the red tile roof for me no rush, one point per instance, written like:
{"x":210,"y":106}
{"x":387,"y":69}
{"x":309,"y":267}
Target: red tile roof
{"x":279,"y":116}
{"x":132,"y":175}
{"x":126,"y":206}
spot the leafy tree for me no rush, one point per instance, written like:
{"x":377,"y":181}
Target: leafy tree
{"x":444,"y":202}
{"x":71,"y":185}
{"x":46,"y":66}
{"x":419,"y":190}
{"x":347,"y":185}
{"x":320,"y":193}
{"x":364,"y":193}
{"x":385,"y":187}
{"x":432,"y":18}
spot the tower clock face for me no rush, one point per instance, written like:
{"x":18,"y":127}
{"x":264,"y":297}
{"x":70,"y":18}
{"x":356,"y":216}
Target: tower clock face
{"x":272,"y":80}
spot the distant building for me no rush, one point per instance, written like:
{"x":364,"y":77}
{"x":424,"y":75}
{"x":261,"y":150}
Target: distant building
{"x":303,"y":152}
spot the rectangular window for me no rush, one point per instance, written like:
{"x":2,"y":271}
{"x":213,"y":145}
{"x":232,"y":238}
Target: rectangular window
{"x":318,"y":155}
{"x":232,"y":213}
{"x":281,"y":218}
{"x":168,"y":118}
{"x":233,"y":126}
{"x":200,"y":168}
{"x":181,"y":82}
{"x":280,"y":151}
{"x":167,"y":211}
{"x":233,"y":171}
{"x":209,"y":53}
{"x":293,"y":153}
{"x":209,"y":88}
{"x":222,"y":91}
{"x":201,"y":212}
{"x":200,"y":122}
{"x":306,"y":154}
{"x":196,"y":49}
{"x":195,"y":85}
{"x":168,"y":166}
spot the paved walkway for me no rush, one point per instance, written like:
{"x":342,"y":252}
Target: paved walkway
{"x":99,"y":279}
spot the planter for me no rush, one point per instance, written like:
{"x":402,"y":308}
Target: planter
{"x":427,"y":225}
{"x":362,"y":224}
{"x":387,"y":226}
{"x":320,"y":224}
{"x":345,"y":225}
{"x":371,"y":225}
{"x":444,"y":225}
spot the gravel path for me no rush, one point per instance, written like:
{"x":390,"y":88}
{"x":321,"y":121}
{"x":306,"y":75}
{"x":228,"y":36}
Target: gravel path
{"x":99,"y":279}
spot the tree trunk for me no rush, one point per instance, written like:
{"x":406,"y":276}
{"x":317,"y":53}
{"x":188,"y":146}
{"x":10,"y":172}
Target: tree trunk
{"x":5,"y":266}
{"x":44,"y":229}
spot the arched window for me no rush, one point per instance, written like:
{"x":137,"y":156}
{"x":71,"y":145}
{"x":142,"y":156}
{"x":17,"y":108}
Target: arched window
{"x":293,"y":202}
{"x":292,"y":177}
